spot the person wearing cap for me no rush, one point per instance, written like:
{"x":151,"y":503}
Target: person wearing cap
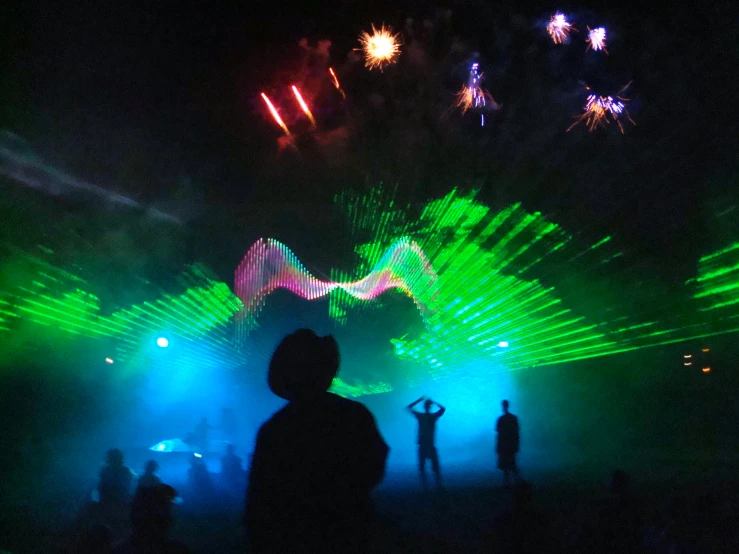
{"x":315,"y":461}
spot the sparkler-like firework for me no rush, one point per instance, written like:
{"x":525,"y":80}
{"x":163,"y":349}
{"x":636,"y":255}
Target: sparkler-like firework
{"x":380,"y":48}
{"x":303,"y":105}
{"x":473,"y":95}
{"x":597,"y":39}
{"x":275,"y":115}
{"x":336,"y":82}
{"x":559,"y":28}
{"x":600,"y":110}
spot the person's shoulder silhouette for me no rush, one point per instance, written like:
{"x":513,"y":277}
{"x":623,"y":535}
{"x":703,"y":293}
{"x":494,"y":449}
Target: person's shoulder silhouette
{"x":316,"y":460}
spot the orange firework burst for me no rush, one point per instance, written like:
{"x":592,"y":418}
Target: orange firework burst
{"x":275,"y":115}
{"x":474,"y":97}
{"x":336,"y":82}
{"x":303,"y":105}
{"x":600,"y":110}
{"x":380,"y":48}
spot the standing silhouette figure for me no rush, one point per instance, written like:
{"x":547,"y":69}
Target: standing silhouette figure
{"x":507,"y":444}
{"x":426,"y":438}
{"x":316,"y":460}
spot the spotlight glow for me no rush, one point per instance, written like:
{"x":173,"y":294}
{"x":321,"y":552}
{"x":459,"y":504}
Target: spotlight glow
{"x":380,"y":48}
{"x":162,"y":342}
{"x":503,"y":344}
{"x":275,"y":114}
{"x":108,"y":360}
{"x":559,"y":28}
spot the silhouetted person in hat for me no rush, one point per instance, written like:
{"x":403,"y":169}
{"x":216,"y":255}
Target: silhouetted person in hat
{"x":507,"y":444}
{"x":427,"y":438}
{"x":316,"y":461}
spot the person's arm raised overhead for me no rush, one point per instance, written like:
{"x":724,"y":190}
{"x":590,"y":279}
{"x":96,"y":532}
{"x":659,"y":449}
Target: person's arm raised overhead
{"x":441,"y":411}
{"x":409,"y":407}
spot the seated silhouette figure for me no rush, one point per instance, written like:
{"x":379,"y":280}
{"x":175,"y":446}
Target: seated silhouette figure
{"x":316,"y":460}
{"x":151,"y":522}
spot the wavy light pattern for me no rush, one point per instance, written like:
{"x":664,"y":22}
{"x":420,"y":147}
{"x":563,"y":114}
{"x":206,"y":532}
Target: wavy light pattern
{"x":270,"y":265}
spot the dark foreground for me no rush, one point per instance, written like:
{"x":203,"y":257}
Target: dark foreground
{"x":682,"y":507}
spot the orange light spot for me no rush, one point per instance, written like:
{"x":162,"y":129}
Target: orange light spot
{"x":706,"y":369}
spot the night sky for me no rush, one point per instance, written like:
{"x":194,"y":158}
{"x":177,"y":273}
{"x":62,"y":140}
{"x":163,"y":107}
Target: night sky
{"x":161,"y":103}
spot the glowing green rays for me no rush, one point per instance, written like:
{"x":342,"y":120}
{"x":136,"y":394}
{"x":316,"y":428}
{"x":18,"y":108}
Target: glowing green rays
{"x":493,"y":312}
{"x":358,"y":388}
{"x":717,"y":283}
{"x":196,"y":321}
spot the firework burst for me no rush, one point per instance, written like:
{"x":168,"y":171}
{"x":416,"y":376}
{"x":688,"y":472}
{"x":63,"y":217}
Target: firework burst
{"x":473,"y":95}
{"x":303,"y":105}
{"x":380,"y":48}
{"x":599,"y":111}
{"x":559,"y":28}
{"x":597,"y":39}
{"x":275,"y":114}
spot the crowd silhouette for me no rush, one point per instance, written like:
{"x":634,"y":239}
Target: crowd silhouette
{"x":317,"y":460}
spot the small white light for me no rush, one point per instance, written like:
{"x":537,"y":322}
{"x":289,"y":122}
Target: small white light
{"x":503,"y":344}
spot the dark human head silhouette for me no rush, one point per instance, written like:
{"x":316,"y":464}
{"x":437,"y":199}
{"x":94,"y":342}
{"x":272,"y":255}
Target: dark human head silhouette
{"x":151,"y":511}
{"x":114,"y":457}
{"x":151,"y":467}
{"x":505,"y":406}
{"x":427,"y":405}
{"x":303,"y":364}
{"x":230,"y":449}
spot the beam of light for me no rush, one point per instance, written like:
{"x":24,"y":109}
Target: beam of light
{"x":336,"y":82}
{"x":275,"y":115}
{"x":18,"y":162}
{"x":380,"y":48}
{"x":270,"y":265}
{"x":717,"y":285}
{"x":303,"y":105}
{"x":559,"y":28}
{"x":600,"y":111}
{"x":597,"y":39}
{"x":198,"y":315}
{"x":492,"y":268}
